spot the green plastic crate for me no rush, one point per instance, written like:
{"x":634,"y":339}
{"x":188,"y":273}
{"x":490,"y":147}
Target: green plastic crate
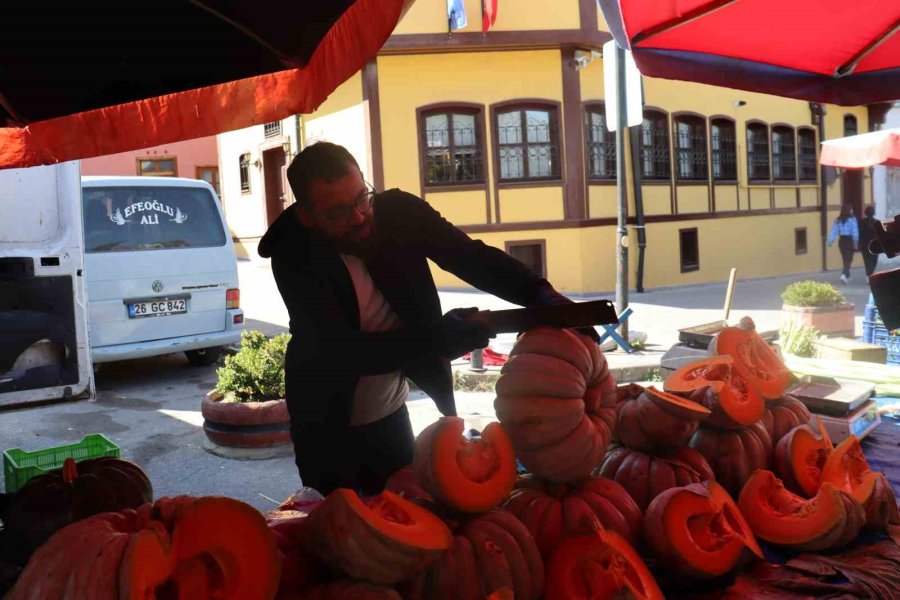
{"x":19,"y":465}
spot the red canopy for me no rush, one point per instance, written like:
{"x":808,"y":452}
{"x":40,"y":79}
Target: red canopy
{"x":839,"y":51}
{"x":78,"y":81}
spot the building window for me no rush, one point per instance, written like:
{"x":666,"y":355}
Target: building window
{"x":245,"y":173}
{"x":800,"y":240}
{"x":757,"y":152}
{"x":600,"y":144}
{"x":724,"y":150}
{"x":806,"y":150}
{"x":272,"y":129}
{"x":850,"y":127}
{"x":452,"y":150}
{"x":690,"y":148}
{"x":527,"y":143}
{"x":655,"y":145}
{"x":157,"y":167}
{"x":531,"y":253}
{"x":784,"y":163}
{"x":690,"y":250}
{"x":211,"y":176}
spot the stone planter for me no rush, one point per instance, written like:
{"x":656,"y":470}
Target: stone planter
{"x":249,"y":425}
{"x":832,"y":321}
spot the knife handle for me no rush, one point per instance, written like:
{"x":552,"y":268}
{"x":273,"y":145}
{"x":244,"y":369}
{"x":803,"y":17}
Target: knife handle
{"x":483,"y":317}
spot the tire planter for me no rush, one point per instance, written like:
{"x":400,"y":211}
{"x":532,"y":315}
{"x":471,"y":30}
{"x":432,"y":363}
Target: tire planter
{"x":245,"y":424}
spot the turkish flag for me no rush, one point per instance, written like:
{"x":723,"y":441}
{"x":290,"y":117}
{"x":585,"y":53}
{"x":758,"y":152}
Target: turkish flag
{"x":488,"y":14}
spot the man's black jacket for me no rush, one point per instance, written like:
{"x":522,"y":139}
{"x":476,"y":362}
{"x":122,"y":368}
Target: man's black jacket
{"x":328,"y":353}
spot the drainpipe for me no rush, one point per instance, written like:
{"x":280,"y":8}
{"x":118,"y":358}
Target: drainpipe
{"x":634,"y":134}
{"x":298,"y":131}
{"x":818,"y":117}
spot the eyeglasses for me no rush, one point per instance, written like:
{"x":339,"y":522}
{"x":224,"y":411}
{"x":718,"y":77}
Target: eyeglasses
{"x":343,"y":216}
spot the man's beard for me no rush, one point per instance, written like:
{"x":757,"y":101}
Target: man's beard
{"x":362,"y":248}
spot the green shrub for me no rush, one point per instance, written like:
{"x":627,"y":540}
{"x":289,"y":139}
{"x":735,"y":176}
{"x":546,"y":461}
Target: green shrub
{"x":798,"y":339}
{"x":812,"y":293}
{"x":256,"y":372}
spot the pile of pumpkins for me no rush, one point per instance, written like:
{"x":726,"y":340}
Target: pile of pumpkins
{"x":689,"y":478}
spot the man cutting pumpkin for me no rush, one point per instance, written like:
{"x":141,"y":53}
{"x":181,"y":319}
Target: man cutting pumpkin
{"x":352,"y":267}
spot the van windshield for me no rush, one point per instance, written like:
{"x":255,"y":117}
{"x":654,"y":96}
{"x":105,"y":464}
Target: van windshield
{"x":122,"y":219}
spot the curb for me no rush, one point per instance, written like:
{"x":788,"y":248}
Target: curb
{"x":622,"y":374}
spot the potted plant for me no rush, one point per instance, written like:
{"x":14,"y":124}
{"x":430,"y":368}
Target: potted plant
{"x":818,"y":305}
{"x":247,"y":408}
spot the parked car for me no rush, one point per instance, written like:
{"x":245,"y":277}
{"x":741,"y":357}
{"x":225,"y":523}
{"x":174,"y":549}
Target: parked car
{"x":160,"y":269}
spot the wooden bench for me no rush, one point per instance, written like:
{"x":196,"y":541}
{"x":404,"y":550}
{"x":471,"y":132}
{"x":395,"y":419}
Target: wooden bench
{"x":847,"y":349}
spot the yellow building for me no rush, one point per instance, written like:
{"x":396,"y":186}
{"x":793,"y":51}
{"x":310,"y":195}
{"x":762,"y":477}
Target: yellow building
{"x":504,"y":134}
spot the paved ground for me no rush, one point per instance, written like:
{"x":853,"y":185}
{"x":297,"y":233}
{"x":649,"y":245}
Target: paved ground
{"x":150,"y":408}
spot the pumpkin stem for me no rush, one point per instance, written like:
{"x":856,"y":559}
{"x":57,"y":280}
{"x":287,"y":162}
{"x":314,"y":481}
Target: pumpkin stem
{"x":69,"y":471}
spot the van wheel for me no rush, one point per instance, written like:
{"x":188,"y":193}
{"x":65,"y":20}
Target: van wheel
{"x":203,"y":357}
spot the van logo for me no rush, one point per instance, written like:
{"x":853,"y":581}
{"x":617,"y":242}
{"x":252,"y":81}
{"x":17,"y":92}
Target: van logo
{"x":157,"y":286}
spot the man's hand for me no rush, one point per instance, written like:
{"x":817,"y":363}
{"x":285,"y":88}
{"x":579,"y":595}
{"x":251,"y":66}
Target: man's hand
{"x":460,"y":333}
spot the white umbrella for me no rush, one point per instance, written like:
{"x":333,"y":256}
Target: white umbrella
{"x":864,"y":150}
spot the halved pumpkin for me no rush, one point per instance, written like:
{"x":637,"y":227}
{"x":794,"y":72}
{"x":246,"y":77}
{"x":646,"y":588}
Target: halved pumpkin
{"x":469,"y":476}
{"x":599,"y":566}
{"x":847,"y":470}
{"x":754,"y":359}
{"x":699,"y":530}
{"x":657,"y":420}
{"x":229,"y":548}
{"x":800,"y":456}
{"x":383,"y":540}
{"x":779,"y":516}
{"x":717,"y":385}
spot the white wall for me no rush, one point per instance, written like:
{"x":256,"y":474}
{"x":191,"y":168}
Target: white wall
{"x":349,"y":128}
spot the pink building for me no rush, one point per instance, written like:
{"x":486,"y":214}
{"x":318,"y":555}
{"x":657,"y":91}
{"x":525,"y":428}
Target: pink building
{"x":196,"y":159}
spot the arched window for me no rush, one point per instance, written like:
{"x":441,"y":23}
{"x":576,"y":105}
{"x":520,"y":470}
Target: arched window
{"x":690,"y":148}
{"x":452,"y":145}
{"x":806,"y":151}
{"x":655,"y":145}
{"x":757,"y":151}
{"x":600,"y":143}
{"x":724,"y":149}
{"x":784,"y":163}
{"x":527,"y":142}
{"x":850,"y":127}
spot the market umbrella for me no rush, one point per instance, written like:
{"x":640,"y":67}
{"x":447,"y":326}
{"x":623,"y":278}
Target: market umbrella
{"x":864,"y":150}
{"x":80,"y":80}
{"x":836,"y":51}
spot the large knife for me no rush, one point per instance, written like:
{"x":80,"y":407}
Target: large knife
{"x":563,"y":316}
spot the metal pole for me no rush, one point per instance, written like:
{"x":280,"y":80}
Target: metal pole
{"x":476,"y":361}
{"x":621,"y":186}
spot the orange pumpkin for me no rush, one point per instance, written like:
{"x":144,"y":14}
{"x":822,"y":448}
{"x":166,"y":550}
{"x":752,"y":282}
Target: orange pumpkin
{"x":783,"y":415}
{"x":469,"y":476}
{"x":800,"y":456}
{"x":717,"y":385}
{"x":827,"y":520}
{"x":734,"y":455}
{"x":599,"y":566}
{"x":754,"y":359}
{"x":556,"y":400}
{"x":698,"y":531}
{"x":645,"y":476}
{"x":385,"y":539}
{"x":657,"y":420}
{"x":555,"y":512}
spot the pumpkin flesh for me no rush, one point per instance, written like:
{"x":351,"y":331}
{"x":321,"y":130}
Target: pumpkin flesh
{"x":470,"y":476}
{"x":754,"y":359}
{"x":847,"y":469}
{"x":732,"y":400}
{"x":800,"y":457}
{"x":779,"y":516}
{"x":599,"y":566}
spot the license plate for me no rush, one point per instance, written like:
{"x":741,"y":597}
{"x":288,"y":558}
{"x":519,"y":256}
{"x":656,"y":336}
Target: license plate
{"x":157,"y":308}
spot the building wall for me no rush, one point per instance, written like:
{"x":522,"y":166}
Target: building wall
{"x":743,"y":224}
{"x":189,"y":155}
{"x":886,"y":180}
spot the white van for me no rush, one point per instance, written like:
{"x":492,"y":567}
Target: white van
{"x":160,"y":269}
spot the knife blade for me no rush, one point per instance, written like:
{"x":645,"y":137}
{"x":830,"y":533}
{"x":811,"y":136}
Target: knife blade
{"x":563,"y":316}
